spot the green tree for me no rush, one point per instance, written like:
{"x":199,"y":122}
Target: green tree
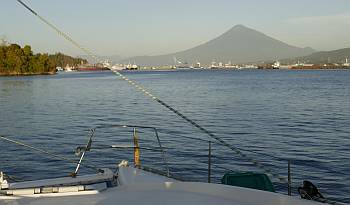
{"x":27,"y":50}
{"x":17,"y":60}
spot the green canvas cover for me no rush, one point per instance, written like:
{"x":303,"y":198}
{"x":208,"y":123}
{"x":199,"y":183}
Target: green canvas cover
{"x":248,"y":180}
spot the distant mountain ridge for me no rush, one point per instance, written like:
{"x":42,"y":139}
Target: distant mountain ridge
{"x":239,"y":45}
{"x":334,"y":56}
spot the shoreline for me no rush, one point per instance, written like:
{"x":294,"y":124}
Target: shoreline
{"x":174,"y":70}
{"x":25,"y":74}
{"x":227,"y":69}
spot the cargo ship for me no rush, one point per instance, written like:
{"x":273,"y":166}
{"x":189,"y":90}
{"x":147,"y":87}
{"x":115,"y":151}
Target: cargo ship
{"x":94,"y":67}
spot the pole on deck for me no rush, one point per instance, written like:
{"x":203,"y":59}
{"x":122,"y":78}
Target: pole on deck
{"x":209,"y":162}
{"x":289,"y":179}
{"x":137,"y":162}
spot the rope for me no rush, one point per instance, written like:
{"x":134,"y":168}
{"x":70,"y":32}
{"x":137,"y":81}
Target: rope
{"x":150,"y":95}
{"x":65,"y":36}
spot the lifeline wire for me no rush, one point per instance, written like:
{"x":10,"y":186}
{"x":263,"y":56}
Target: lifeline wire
{"x":45,"y":152}
{"x":147,"y":93}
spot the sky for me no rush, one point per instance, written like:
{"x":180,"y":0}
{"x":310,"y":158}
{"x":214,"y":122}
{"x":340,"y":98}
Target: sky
{"x":153,"y":27}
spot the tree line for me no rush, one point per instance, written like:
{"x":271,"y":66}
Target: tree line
{"x":15,"y":60}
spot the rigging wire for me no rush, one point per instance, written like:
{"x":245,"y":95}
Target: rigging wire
{"x":153,"y":97}
{"x":50,"y":154}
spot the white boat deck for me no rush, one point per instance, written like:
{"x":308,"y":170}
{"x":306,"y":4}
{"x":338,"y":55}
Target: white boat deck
{"x":129,"y":176}
{"x":141,"y":187}
{"x":107,"y":175}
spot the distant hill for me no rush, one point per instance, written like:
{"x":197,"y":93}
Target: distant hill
{"x":334,"y":56}
{"x":238,"y":45}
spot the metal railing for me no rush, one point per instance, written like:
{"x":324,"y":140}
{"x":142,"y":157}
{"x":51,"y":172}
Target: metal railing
{"x":160,"y":148}
{"x":134,"y":127}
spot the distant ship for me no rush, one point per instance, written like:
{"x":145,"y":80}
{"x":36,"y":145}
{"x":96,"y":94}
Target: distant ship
{"x":221,"y":65}
{"x":68,"y":68}
{"x":180,"y":65}
{"x":131,"y":66}
{"x":118,"y":67}
{"x":93,"y":67}
{"x":276,"y":65}
{"x":59,"y":69}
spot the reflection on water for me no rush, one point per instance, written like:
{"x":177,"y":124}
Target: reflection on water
{"x":10,"y":84}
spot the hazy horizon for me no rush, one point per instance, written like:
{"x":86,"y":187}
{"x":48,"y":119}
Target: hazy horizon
{"x":130,"y":28}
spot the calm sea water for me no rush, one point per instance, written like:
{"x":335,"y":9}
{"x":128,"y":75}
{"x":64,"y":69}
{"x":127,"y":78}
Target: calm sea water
{"x":303,"y":116}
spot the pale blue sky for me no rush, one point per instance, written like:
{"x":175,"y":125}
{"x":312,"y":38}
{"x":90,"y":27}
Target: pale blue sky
{"x":149,"y":27}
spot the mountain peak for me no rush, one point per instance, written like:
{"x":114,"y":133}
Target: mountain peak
{"x":239,"y":26}
{"x":240,"y":44}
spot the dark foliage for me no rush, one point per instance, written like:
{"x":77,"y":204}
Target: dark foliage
{"x":15,"y":60}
